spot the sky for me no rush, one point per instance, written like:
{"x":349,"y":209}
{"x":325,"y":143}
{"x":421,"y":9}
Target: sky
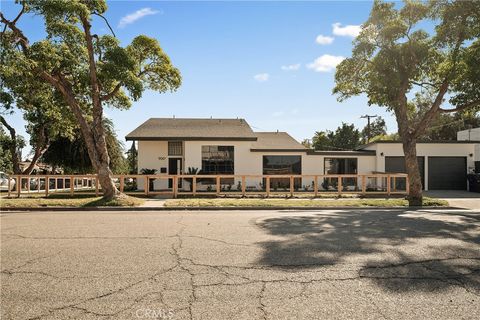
{"x":271,"y":63}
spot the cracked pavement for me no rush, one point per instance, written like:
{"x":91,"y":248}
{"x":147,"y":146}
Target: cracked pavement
{"x":329,"y":264}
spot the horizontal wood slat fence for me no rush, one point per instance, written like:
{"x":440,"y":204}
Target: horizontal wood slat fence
{"x":224,"y":185}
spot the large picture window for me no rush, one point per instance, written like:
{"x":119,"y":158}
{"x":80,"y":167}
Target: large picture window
{"x":340,"y":166}
{"x":282,"y":165}
{"x":217,"y":160}
{"x":279,"y":165}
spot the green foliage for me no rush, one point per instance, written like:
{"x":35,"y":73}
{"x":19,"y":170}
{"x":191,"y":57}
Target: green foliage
{"x":71,"y":154}
{"x":5,"y":154}
{"x":377,"y":128}
{"x":345,"y":137}
{"x":132,"y":156}
{"x":446,"y":126}
{"x":393,"y":56}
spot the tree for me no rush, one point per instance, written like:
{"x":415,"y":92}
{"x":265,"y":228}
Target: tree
{"x":400,"y":66}
{"x":132,"y":156}
{"x":71,"y":153}
{"x":446,"y":126}
{"x":377,"y":128}
{"x":345,"y":137}
{"x":87,"y":70}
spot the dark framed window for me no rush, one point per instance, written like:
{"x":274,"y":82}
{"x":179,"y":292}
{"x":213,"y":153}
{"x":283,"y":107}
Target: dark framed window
{"x":282,"y":165}
{"x":279,"y":165}
{"x":217,"y":160}
{"x":340,"y":165}
{"x":175,"y":148}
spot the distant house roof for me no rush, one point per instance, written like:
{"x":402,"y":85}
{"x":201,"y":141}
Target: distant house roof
{"x":276,"y":141}
{"x":420,"y":142}
{"x":342,"y":153}
{"x":192,"y":129}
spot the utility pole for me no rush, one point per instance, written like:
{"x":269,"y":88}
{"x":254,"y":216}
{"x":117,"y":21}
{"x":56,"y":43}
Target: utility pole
{"x":368,"y":124}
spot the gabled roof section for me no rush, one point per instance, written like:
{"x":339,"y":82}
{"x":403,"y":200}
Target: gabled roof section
{"x":155,"y":129}
{"x":276,"y":141}
{"x":419,"y":142}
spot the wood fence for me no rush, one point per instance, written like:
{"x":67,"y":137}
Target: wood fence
{"x":219,"y":185}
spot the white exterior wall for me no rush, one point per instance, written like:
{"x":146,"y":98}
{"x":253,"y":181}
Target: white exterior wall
{"x":424,"y":150}
{"x":471,"y":135}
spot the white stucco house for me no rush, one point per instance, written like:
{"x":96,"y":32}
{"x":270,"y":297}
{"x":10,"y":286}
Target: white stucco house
{"x":230,"y":146}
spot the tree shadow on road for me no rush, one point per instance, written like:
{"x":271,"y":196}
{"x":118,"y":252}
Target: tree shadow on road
{"x":399,"y":250}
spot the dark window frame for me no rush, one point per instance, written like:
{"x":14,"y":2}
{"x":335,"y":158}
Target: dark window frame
{"x":218,"y":159}
{"x":343,"y":168}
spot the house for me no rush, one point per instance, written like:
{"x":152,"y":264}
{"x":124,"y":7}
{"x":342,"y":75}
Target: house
{"x":230,"y":146}
{"x":472,"y":135}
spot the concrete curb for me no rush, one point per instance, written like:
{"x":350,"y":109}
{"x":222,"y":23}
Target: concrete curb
{"x":219,"y":208}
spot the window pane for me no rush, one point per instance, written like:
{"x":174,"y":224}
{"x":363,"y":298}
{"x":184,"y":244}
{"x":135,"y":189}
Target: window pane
{"x":217,"y":160}
{"x":282,"y":165}
{"x":340,"y":166}
{"x":175,"y":148}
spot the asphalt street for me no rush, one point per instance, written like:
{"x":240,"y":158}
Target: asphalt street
{"x":330,"y":264}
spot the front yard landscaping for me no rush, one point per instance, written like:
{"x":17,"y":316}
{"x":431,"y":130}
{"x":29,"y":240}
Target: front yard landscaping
{"x":58,"y":200}
{"x":398,"y":202}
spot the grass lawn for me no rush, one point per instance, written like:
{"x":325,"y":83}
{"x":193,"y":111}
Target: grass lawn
{"x":59,"y":200}
{"x":398,"y":202}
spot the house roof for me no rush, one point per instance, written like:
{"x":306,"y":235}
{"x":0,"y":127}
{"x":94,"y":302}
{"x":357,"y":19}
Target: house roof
{"x":192,"y":129}
{"x":276,"y":141}
{"x":420,"y":142}
{"x":342,"y":153}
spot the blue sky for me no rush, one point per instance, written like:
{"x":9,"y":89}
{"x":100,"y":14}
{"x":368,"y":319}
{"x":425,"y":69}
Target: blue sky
{"x":262,"y":61}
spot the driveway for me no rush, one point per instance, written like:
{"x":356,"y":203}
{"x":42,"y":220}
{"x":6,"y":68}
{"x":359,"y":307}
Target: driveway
{"x":332,"y":264}
{"x":457,"y":198}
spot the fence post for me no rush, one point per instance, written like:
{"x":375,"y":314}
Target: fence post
{"x":28,"y":184}
{"x":122,"y":183}
{"x":291,"y":186}
{"x":217,"y":185}
{"x":194,"y":186}
{"x":56,"y":184}
{"x":243,"y":186}
{"x":408,"y":185}
{"x":147,"y":185}
{"x":364,"y":185}
{"x":175,"y":186}
{"x":96,"y":186}
{"x":19,"y":186}
{"x":47,"y":185}
{"x":267,"y":186}
{"x":315,"y":186}
{"x":72,"y":185}
{"x":388,"y":185}
{"x":9,"y":186}
{"x":339,"y":186}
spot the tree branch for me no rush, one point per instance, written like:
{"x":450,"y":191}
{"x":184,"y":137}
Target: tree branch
{"x":106,"y":21}
{"x":463,"y":107}
{"x":112,"y":93}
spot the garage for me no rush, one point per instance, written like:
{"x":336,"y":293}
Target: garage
{"x":447,"y":173}
{"x":397,"y":165}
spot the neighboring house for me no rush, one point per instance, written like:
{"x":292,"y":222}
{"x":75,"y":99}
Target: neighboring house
{"x":472,"y":135}
{"x":230,"y":146}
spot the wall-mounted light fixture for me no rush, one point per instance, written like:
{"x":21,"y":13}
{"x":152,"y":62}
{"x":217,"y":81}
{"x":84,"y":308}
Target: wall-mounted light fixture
{"x":381,"y":154}
{"x":470,"y":155}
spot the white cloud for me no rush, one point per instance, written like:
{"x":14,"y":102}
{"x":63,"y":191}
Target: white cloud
{"x":261,"y":77}
{"x":321,"y":39}
{"x":291,"y":67}
{"x":348,"y":30}
{"x":132,"y":17}
{"x":325,"y":63}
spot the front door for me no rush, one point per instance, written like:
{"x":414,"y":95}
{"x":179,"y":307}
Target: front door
{"x":174,"y":168}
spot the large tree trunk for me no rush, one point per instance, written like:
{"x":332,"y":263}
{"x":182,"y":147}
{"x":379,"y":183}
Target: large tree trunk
{"x":41,"y":146}
{"x":413,"y":171}
{"x":13,"y":146}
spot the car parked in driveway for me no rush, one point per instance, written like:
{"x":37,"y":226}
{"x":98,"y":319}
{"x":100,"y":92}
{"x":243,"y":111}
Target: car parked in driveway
{"x":4,"y":178}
